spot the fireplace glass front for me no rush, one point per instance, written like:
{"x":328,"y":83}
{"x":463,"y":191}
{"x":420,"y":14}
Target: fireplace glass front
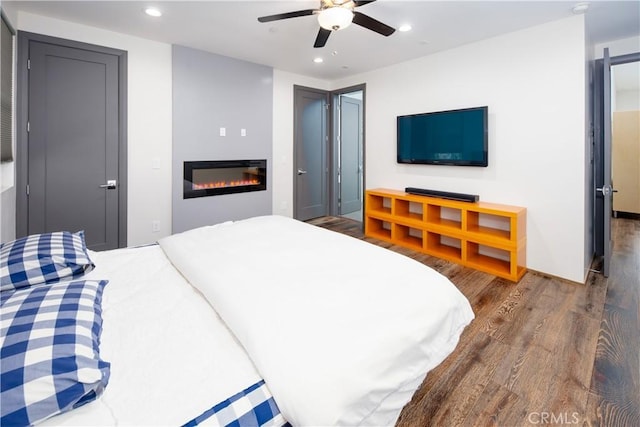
{"x":211,"y":178}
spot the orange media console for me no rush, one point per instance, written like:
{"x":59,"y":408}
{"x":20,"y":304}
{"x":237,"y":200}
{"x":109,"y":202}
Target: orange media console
{"x":485,"y":236}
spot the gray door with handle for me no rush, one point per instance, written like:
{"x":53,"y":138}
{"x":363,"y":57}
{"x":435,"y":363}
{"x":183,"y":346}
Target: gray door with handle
{"x":607,"y":188}
{"x":74,"y":143}
{"x":311,"y":171}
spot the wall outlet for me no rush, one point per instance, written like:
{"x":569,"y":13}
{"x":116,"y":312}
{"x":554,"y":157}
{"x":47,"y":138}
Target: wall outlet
{"x":223,"y":131}
{"x":155,"y":226}
{"x":243,"y":132}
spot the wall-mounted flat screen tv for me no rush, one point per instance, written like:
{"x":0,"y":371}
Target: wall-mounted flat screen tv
{"x":454,"y":137}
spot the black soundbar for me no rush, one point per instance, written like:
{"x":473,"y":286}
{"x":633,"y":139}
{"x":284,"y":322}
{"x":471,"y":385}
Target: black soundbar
{"x":443,"y":194}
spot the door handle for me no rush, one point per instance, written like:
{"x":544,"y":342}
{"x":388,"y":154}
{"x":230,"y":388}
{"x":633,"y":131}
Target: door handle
{"x":110,"y":185}
{"x":606,"y":190}
{"x":301,"y":172}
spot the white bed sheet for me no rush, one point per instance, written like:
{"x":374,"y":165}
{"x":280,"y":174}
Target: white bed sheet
{"x":171,"y":356}
{"x":342,"y":331}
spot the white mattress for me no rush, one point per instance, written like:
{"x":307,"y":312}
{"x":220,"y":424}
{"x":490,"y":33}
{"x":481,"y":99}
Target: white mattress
{"x":171,"y":356}
{"x":342,"y":331}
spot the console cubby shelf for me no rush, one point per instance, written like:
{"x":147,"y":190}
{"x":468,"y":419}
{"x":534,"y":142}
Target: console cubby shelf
{"x":485,"y":236}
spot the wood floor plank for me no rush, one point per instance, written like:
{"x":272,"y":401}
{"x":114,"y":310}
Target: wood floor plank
{"x":615,"y":385}
{"x":590,"y":301}
{"x":460,"y":382}
{"x":616,"y":381}
{"x":495,"y":405}
{"x":543,"y":347}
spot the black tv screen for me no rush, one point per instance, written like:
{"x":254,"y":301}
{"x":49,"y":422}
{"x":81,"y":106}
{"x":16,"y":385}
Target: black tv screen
{"x":455,"y":137}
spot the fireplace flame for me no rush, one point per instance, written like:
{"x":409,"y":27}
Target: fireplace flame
{"x":224,"y":184}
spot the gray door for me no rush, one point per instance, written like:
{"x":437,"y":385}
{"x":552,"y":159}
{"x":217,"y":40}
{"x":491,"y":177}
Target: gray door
{"x":607,"y":189}
{"x":311,"y":155}
{"x":350,"y":175}
{"x":73,"y":143}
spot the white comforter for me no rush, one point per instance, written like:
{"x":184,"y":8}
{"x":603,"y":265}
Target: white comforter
{"x":171,"y":356}
{"x":342,"y":331}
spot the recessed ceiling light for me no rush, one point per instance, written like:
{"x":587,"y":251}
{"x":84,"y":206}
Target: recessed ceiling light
{"x":404,"y":28}
{"x":318,"y":60}
{"x":152,"y":11}
{"x":580,"y":7}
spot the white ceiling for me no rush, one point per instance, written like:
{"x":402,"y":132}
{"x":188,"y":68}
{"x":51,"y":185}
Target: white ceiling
{"x":230,"y":28}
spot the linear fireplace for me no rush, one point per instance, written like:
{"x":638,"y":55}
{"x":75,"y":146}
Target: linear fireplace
{"x":211,"y":178}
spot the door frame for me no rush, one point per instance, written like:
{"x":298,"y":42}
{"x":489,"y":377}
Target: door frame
{"x":332,"y":146}
{"x":334,"y":188}
{"x":22,"y":115}
{"x":598,"y":149}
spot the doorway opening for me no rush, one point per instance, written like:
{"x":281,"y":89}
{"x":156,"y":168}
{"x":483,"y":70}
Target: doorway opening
{"x":329,"y":152}
{"x":625,"y":139}
{"x":348,"y":149}
{"x":603,"y":116}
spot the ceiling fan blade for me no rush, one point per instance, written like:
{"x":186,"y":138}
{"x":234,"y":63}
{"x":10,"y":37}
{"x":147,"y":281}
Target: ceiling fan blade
{"x":362,"y":3}
{"x":322,"y":37}
{"x":287,"y":15}
{"x":372,"y":24}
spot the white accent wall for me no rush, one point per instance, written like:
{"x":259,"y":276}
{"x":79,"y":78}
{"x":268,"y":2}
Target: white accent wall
{"x":149,"y":120}
{"x":533,"y":82}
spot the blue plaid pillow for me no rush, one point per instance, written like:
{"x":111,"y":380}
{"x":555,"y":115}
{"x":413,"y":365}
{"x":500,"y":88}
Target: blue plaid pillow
{"x":43,"y":258}
{"x":49,"y":352}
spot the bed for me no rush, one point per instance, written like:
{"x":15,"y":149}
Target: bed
{"x":262,"y":321}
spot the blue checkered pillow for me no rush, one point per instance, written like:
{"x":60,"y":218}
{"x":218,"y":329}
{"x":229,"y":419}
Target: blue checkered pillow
{"x":43,"y":258}
{"x":49,"y":350}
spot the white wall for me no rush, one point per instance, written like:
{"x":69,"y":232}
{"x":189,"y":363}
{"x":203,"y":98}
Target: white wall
{"x":534,"y":84}
{"x":589,"y":172}
{"x":283,"y":83}
{"x":627,"y":100}
{"x":7,"y":170}
{"x":149,"y":120}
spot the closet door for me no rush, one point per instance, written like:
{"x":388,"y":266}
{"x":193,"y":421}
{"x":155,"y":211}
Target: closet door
{"x":74,"y":147}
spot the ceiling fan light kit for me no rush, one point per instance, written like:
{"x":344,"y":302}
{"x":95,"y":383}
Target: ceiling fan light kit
{"x":335,"y":18}
{"x":334,"y":15}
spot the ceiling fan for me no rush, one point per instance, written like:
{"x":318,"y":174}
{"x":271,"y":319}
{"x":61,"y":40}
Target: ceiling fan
{"x":334,"y":15}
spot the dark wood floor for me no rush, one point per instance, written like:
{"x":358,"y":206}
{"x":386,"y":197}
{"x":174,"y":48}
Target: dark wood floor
{"x":544,"y":351}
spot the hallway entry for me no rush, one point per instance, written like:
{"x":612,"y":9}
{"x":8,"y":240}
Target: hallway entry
{"x":329,"y":152}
